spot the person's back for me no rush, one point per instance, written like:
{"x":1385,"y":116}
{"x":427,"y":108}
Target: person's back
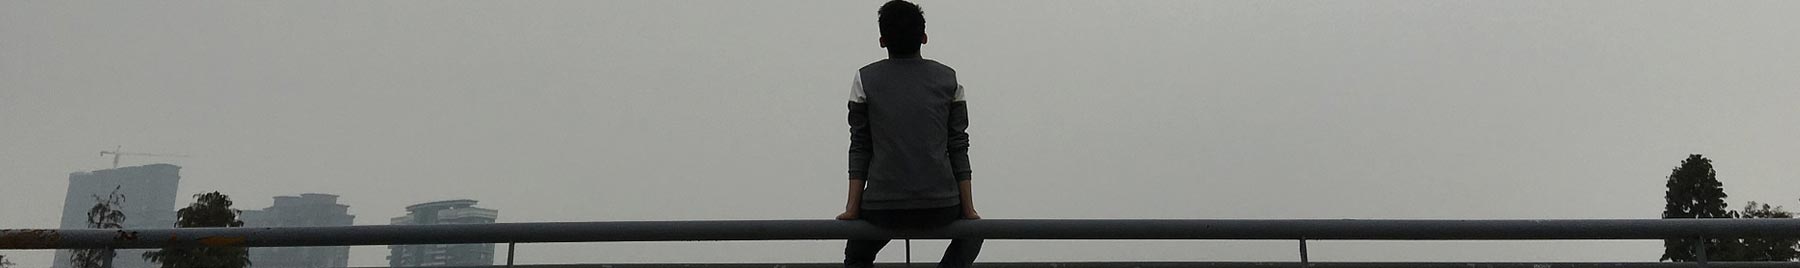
{"x":908,"y":104}
{"x":909,"y":162}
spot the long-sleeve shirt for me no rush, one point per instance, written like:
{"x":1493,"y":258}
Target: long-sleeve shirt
{"x":908,"y":134}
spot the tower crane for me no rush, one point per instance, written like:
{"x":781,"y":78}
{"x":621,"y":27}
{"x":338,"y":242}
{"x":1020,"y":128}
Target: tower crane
{"x":116,"y":153}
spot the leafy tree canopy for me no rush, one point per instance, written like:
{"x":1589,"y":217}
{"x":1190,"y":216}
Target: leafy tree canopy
{"x":105,"y":214}
{"x":1760,"y":248}
{"x":208,"y":210}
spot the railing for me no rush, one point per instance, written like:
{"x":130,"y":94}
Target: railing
{"x":1300,"y":230}
{"x":1184,"y":265}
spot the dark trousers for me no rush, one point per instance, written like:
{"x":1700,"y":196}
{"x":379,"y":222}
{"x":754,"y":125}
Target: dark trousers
{"x":861,"y":253}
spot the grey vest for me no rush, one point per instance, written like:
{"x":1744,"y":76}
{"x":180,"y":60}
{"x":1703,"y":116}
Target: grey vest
{"x":908,"y":135}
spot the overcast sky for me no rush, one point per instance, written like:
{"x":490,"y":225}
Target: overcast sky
{"x":678,"y":110}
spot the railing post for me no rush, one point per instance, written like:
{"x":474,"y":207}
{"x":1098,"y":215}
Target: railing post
{"x":1700,"y":251}
{"x":1304,"y":262}
{"x":509,"y":253}
{"x":909,"y":253}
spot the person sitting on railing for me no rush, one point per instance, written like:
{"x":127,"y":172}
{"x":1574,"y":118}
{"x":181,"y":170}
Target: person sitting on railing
{"x":909,"y":151}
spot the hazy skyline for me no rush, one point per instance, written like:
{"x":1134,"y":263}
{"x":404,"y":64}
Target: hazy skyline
{"x":675,"y":110}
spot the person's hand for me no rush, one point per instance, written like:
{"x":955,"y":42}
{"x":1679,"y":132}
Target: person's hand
{"x":971,"y":215}
{"x":847,"y":215}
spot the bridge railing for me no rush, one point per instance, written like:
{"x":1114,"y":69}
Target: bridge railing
{"x":719,"y":230}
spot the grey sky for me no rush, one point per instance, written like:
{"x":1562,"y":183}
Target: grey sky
{"x":669,"y":110}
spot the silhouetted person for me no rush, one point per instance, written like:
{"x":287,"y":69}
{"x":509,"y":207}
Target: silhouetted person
{"x":909,"y":151}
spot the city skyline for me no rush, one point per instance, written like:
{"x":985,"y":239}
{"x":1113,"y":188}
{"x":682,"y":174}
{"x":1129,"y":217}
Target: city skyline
{"x":156,"y":183}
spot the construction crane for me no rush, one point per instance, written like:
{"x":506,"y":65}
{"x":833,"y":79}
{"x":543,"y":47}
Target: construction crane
{"x":116,"y":153}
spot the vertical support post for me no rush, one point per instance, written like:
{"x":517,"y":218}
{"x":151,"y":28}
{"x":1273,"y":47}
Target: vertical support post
{"x":509,"y":253}
{"x":908,"y":253}
{"x":1700,"y":252}
{"x":1304,"y":261}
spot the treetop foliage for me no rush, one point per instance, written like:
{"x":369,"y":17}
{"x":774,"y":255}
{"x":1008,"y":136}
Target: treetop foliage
{"x":1694,"y":191}
{"x":105,"y":214}
{"x":208,"y":210}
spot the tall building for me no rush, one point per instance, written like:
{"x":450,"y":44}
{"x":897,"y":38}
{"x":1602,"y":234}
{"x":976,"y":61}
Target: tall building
{"x":306,"y":210}
{"x":150,"y":196}
{"x":460,"y":211}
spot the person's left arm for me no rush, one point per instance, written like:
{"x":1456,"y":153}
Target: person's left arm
{"x":959,"y":152}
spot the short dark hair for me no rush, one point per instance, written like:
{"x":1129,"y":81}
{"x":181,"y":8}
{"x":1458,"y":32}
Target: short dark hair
{"x":902,"y":25}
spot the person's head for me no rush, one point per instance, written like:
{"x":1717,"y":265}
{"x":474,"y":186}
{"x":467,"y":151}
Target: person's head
{"x":902,"y":27}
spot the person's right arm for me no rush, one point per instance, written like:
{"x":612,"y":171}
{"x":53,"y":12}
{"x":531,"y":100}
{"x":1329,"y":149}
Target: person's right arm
{"x":860,"y":149}
{"x":968,"y":200}
{"x":853,"y":206}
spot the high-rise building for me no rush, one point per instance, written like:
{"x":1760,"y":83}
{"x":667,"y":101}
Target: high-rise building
{"x":306,"y":210}
{"x":461,"y":211}
{"x":149,"y":192}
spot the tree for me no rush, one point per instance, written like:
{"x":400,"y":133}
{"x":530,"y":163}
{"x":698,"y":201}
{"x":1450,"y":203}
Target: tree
{"x":1760,"y":248}
{"x":209,"y":210}
{"x":104,"y":215}
{"x":1694,"y":192}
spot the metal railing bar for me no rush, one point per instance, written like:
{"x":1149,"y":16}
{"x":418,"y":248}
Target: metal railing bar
{"x":1198,"y":265}
{"x":720,"y":230}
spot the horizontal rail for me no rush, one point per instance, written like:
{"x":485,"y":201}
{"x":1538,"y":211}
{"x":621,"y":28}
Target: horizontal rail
{"x":1197,"y":265}
{"x":831,"y":229}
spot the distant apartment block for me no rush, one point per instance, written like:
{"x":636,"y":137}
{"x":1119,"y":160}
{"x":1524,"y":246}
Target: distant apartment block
{"x":461,"y":211}
{"x":150,"y":196}
{"x":306,"y":210}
